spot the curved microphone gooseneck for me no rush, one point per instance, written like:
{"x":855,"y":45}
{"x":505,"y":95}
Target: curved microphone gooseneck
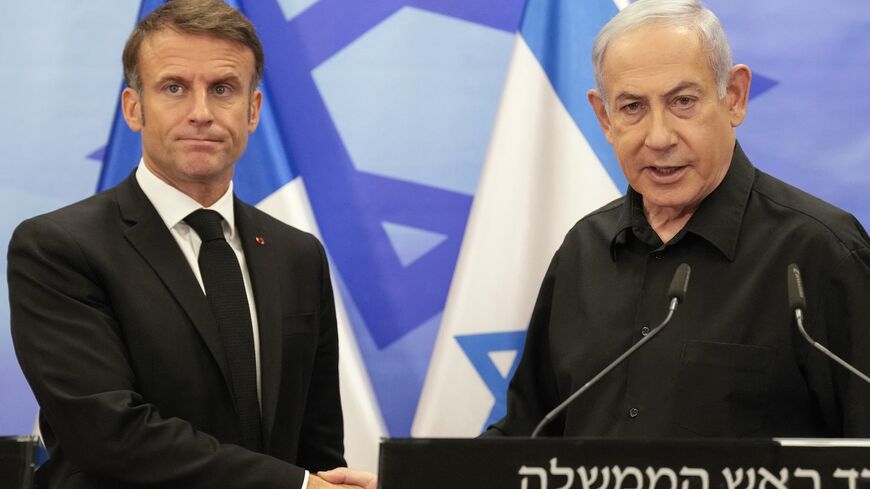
{"x":676,"y":294}
{"x":797,"y":301}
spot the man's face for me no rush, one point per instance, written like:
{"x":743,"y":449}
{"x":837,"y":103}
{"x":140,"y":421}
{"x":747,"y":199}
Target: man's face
{"x":672,"y":135}
{"x":196,"y":107}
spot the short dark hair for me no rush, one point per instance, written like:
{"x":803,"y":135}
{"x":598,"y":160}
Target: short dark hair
{"x":200,"y":17}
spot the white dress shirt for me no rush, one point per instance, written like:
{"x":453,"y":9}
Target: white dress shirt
{"x":173,"y":206}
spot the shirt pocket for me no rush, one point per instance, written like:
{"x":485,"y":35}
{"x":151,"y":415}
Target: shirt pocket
{"x":723,"y":388}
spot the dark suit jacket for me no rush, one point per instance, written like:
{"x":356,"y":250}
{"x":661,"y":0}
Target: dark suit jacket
{"x":121,"y":349}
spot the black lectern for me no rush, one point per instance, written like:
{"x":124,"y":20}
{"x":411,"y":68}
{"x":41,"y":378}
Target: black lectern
{"x":522,"y":463}
{"x":17,"y":455}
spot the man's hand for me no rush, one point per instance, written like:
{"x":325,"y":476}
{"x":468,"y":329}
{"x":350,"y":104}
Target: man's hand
{"x":315,"y":482}
{"x":356,"y":478}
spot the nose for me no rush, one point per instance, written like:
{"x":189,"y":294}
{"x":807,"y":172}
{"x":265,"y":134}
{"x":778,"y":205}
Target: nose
{"x":200,"y":111}
{"x":660,"y":135}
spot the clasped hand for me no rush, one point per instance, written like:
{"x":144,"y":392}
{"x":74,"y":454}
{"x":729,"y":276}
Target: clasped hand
{"x":343,"y":478}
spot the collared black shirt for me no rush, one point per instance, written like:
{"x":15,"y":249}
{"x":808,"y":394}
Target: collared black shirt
{"x":732,"y":362}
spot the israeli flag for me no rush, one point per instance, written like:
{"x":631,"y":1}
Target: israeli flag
{"x":547,"y":166}
{"x":267,"y":177}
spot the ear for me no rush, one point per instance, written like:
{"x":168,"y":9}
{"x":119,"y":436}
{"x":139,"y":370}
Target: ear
{"x":254,"y":110}
{"x":737,"y":95}
{"x":600,"y":110}
{"x":131,"y":106}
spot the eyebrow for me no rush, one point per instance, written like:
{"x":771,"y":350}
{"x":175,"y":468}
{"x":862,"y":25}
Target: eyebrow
{"x":233,"y":79}
{"x":170,"y":78}
{"x":685,"y":85}
{"x":628,"y":96}
{"x":227,"y":79}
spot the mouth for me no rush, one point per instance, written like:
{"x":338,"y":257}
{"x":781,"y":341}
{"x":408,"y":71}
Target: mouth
{"x":200,"y":144}
{"x":199,"y":140}
{"x":665,"y":174}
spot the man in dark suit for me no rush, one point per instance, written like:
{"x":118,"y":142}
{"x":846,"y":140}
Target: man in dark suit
{"x":173,"y":335}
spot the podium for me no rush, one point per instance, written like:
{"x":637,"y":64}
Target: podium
{"x":550,"y":463}
{"x":17,"y":456}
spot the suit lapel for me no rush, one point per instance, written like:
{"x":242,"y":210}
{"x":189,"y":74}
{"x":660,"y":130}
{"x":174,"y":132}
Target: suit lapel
{"x":149,"y":235}
{"x":262,"y":267}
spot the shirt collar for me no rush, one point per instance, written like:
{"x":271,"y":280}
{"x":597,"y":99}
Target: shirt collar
{"x":173,"y":205}
{"x":630,"y":217}
{"x":718,"y":219}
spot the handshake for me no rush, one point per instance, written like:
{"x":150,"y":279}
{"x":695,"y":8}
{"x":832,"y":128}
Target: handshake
{"x":342,"y":478}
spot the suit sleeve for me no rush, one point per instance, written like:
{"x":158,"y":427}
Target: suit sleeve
{"x":73,"y":354}
{"x":321,"y":445}
{"x":532,"y":392}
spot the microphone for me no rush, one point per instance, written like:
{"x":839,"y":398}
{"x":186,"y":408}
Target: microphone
{"x":679,"y":284}
{"x":797,"y":301}
{"x":676,"y":294}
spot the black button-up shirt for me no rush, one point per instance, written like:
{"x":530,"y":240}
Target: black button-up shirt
{"x":731,"y":363}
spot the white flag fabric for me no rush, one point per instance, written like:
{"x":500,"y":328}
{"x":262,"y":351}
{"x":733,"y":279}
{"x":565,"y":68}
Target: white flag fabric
{"x":541,"y":175}
{"x":363,"y":425}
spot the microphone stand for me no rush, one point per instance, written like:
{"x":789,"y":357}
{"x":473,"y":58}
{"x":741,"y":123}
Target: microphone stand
{"x":676,"y":292}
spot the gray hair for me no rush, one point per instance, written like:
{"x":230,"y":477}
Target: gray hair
{"x":688,"y":14}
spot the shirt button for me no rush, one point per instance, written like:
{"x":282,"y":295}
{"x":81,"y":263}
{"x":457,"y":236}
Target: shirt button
{"x":659,"y":255}
{"x":644,"y":330}
{"x":633,"y":412}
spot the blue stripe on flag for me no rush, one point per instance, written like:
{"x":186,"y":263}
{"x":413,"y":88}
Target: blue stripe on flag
{"x":265,"y":167}
{"x":350,"y":205}
{"x":122,"y":153}
{"x":477,"y":348}
{"x":560,"y":34}
{"x":125,"y":146}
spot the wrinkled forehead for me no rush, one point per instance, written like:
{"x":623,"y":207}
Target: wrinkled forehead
{"x":169,"y":36}
{"x":170,"y":48}
{"x":655,"y":52}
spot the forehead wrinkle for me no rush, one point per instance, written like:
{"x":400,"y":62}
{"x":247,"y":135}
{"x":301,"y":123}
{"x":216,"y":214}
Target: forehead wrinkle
{"x":168,"y":55}
{"x":639,"y":56}
{"x":631,"y":94}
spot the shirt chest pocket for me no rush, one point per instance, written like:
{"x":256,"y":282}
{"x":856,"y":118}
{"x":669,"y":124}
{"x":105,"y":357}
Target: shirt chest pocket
{"x":723,"y":388}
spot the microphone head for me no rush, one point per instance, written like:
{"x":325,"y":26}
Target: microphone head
{"x":796,"y":297}
{"x":680,"y":283}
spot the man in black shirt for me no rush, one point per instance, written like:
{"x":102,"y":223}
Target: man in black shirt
{"x":731,"y":363}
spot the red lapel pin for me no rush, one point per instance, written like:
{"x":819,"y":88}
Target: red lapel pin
{"x":260,"y":240}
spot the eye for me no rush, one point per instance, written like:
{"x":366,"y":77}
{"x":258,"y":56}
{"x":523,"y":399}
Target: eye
{"x":174,"y":89}
{"x":632,"y":108}
{"x":684,"y":102}
{"x":222,"y":90}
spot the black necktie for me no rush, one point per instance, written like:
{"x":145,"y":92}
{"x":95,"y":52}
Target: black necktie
{"x":225,"y":290}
